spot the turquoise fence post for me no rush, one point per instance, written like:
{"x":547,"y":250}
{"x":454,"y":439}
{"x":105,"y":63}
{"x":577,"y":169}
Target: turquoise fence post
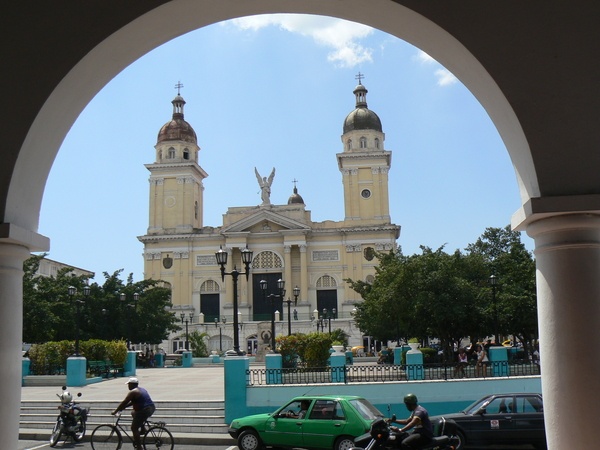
{"x":235,"y":387}
{"x":499,"y":361}
{"x":337,"y":362}
{"x":216,"y":359}
{"x":76,"y":370}
{"x":159,"y":360}
{"x":26,"y":364}
{"x":398,"y":356}
{"x":273,"y":366}
{"x":186,"y":359}
{"x":349,"y":358}
{"x":414,"y":365}
{"x":130,"y":364}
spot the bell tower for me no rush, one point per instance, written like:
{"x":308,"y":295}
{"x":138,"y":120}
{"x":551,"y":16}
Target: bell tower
{"x":176,"y":189}
{"x":364,"y":165}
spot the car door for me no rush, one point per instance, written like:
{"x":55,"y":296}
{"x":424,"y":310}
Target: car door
{"x":281,"y":431}
{"x":494,"y":422}
{"x":326,"y":421}
{"x":528,"y":419}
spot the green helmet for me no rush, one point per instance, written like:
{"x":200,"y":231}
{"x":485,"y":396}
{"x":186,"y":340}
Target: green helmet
{"x":410,"y":399}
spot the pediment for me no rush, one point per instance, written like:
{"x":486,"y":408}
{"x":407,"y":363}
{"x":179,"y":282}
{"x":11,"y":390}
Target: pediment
{"x":265,"y":221}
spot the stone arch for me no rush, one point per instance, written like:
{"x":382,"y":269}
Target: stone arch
{"x":173,"y":19}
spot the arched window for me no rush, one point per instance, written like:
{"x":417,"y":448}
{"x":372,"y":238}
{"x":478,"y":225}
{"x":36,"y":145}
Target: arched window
{"x":326,"y":281}
{"x":196,"y":210}
{"x":160,"y":155}
{"x":363,"y":142}
{"x":267,"y":260}
{"x":349,"y":143}
{"x":209,"y":286}
{"x":186,"y":153}
{"x":171,"y":153}
{"x":376,"y":142}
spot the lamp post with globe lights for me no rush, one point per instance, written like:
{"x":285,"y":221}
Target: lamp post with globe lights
{"x":221,"y":257}
{"x":72,"y":292}
{"x":272,"y":297}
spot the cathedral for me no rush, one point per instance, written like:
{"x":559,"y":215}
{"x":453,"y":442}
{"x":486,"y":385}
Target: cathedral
{"x":312,"y":258}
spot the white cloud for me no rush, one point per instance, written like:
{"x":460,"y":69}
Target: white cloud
{"x":444,"y":76}
{"x":340,"y":35}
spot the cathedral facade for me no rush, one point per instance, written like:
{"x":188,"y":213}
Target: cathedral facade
{"x":313,"y":258}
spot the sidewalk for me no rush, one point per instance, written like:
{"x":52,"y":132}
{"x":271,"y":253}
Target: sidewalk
{"x":172,"y":384}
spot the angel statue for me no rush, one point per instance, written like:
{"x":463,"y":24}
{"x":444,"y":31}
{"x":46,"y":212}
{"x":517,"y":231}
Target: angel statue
{"x":265,"y":186}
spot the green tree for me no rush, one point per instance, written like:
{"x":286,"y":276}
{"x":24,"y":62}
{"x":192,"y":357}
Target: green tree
{"x":506,"y":257}
{"x":50,"y":315}
{"x":198,"y":343}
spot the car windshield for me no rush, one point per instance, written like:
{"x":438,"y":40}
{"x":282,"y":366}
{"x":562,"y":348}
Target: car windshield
{"x":472,"y":409}
{"x":365,"y":409}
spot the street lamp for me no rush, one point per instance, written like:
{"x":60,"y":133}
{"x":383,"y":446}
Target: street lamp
{"x":281,"y":289}
{"x":319,"y":320}
{"x":105,"y":313}
{"x":131,"y":307}
{"x":221,"y":257}
{"x":220,"y":332}
{"x":72,"y":291}
{"x":184,"y":319}
{"x":493,"y":281}
{"x":329,"y":316}
{"x":289,"y":304}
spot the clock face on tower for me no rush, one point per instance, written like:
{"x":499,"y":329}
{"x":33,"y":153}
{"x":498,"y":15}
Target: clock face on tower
{"x":365,"y":193}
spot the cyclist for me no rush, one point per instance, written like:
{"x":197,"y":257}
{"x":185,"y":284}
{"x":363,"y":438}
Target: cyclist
{"x":143,"y":408}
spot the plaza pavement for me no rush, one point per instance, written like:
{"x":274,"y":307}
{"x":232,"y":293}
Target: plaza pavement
{"x":172,"y":384}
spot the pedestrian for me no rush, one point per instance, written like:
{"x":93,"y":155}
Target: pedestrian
{"x":482,"y":361}
{"x":462,"y":362}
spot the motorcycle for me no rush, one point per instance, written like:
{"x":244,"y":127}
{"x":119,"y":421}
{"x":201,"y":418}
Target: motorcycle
{"x":71,"y":419}
{"x":380,"y":437}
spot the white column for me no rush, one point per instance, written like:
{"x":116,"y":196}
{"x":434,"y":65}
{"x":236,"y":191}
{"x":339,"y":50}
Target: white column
{"x":11,"y":330}
{"x":568,"y":291}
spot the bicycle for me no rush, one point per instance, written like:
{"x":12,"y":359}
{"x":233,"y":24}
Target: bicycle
{"x":108,"y":436}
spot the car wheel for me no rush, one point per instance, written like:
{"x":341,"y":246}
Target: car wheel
{"x":462,"y":442}
{"x":249,"y":440}
{"x":343,"y":443}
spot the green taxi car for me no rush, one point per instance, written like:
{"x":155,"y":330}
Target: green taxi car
{"x":311,"y":422}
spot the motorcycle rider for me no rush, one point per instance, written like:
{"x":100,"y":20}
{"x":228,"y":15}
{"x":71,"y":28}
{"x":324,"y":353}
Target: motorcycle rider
{"x":419,"y":421}
{"x":143,"y":408}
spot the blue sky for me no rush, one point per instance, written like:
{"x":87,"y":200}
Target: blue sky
{"x":273,"y":91}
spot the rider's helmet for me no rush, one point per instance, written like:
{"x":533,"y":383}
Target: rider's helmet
{"x":66,"y":397}
{"x":410,"y":399}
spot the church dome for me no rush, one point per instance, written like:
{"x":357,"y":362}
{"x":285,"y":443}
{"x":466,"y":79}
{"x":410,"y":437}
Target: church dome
{"x":295,"y":198}
{"x":362,"y":118}
{"x":177,"y":129}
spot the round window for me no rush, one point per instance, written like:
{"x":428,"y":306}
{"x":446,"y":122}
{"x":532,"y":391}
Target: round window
{"x":365,"y":193}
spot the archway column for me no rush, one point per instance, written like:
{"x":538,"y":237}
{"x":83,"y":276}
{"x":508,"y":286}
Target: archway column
{"x":567,"y":250}
{"x":12,"y":257}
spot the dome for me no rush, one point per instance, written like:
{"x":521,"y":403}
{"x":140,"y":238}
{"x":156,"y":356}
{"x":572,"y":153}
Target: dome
{"x":177,"y":129}
{"x":362,"y":118}
{"x":295,"y":198}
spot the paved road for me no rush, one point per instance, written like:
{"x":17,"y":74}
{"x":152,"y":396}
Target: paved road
{"x":34,"y":445}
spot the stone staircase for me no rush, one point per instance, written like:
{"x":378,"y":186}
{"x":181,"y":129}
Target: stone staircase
{"x":199,"y":417}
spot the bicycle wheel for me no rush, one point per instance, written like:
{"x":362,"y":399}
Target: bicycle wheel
{"x":106,"y":437}
{"x":56,"y":432}
{"x":158,"y":437}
